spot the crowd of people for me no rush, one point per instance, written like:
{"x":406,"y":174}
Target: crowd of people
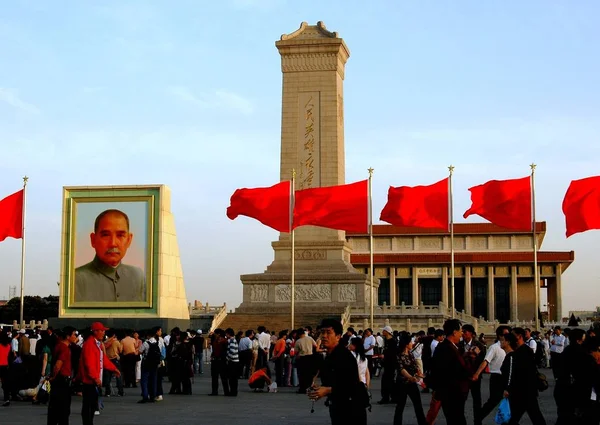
{"x":327,"y":363}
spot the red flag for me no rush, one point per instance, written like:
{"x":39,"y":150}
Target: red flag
{"x":11,"y":216}
{"x":506,"y":203}
{"x":344,"y":207}
{"x":581,"y":205}
{"x":269,"y":205}
{"x":419,"y":206}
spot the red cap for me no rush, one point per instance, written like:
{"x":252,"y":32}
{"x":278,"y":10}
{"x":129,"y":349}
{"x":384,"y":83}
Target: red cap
{"x":98,"y":326}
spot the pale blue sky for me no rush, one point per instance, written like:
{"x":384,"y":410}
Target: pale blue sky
{"x":188,"y":94}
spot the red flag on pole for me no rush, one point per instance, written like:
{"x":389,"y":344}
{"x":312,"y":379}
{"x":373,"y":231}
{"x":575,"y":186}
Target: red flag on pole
{"x":581,"y":205}
{"x":343,"y":207}
{"x":11,"y":216}
{"x":506,"y":203}
{"x":418,"y":206}
{"x":269,"y":205}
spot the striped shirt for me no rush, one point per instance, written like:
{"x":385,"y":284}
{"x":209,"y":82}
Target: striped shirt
{"x":232,"y":350}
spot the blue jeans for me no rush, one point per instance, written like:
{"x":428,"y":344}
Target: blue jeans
{"x":198,"y":363}
{"x":148,"y":384}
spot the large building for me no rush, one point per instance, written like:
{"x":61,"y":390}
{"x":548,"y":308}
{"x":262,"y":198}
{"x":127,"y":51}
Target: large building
{"x":494,"y":273}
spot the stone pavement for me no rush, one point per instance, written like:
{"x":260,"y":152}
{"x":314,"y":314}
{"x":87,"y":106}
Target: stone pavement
{"x":249,"y":408}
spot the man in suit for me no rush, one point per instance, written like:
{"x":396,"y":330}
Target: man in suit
{"x":450,"y":374}
{"x":106,"y":278}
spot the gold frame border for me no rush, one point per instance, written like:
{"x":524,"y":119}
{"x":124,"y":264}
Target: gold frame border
{"x":73,"y":201}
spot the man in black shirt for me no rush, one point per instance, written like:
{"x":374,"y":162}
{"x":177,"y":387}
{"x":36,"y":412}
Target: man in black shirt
{"x":339,"y":379}
{"x":198,"y":342}
{"x":390,"y":364}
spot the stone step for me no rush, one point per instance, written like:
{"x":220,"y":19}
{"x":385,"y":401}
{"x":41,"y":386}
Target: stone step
{"x":274,"y":321}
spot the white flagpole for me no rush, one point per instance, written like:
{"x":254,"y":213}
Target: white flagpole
{"x":451,"y":210}
{"x":293,"y":240}
{"x":536,"y":273}
{"x":371,"y":272}
{"x":23,"y":254}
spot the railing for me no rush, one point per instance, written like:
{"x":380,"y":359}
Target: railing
{"x":219,"y":317}
{"x":346,"y":316}
{"x":32,"y":324}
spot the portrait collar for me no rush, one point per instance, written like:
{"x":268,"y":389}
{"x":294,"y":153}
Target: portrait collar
{"x":105,"y":269}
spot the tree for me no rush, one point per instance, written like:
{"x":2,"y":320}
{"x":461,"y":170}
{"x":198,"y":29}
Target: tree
{"x":34,"y":308}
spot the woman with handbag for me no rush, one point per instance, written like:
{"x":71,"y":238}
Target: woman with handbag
{"x":408,"y":382}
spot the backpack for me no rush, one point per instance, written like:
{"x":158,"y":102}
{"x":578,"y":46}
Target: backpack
{"x":152,"y":358}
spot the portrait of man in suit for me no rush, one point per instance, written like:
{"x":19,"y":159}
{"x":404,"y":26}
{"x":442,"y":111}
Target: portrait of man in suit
{"x":106,"y":278}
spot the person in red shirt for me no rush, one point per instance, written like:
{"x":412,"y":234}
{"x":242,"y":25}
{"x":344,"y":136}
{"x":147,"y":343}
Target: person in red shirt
{"x":91,"y":366}
{"x":279,"y":357}
{"x":59,"y":407}
{"x":5,"y":354}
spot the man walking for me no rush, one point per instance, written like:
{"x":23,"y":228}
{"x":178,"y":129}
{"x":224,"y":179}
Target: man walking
{"x":91,"y":367}
{"x":59,"y":406}
{"x":233,"y":362}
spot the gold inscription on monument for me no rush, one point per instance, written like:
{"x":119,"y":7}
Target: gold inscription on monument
{"x":309,"y":141}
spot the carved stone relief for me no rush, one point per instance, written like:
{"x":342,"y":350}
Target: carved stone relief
{"x":524,"y":242}
{"x":382,"y":272}
{"x":259,"y":293}
{"x":478,"y":271}
{"x":314,"y":293}
{"x":478,"y":242}
{"x":547,"y":270}
{"x":430,"y":243}
{"x":405,"y":244}
{"x":525,"y":271}
{"x":360,"y":245}
{"x":383,"y":244}
{"x":501,"y":242}
{"x":347,"y":293}
{"x":310,"y":254}
{"x":459,"y":243}
{"x":402,"y":272}
{"x":501,"y":271}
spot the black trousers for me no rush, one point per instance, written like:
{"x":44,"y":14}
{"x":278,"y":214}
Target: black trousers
{"x":245,"y":363}
{"x":233,"y":374}
{"x":387,"y":382}
{"x":347,"y":413}
{"x":565,"y":408}
{"x":520,"y":404}
{"x":454,"y":410}
{"x":496,"y":396}
{"x":305,"y":368}
{"x":279,"y":363}
{"x":475,"y":389}
{"x":556,"y":360}
{"x":59,"y":405}
{"x":370,"y":366}
{"x":218,"y":370}
{"x":6,"y":384}
{"x":128,"y":364}
{"x":409,"y":390}
{"x":89,"y":403}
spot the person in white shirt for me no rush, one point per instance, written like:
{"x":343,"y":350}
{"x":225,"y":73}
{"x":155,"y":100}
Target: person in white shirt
{"x":356,"y":346}
{"x":264,"y":344}
{"x":546,"y":344}
{"x":437,"y":338}
{"x":417,"y":351}
{"x":493,"y":358}
{"x":530,"y":341}
{"x":369,"y":343}
{"x":557,"y":346}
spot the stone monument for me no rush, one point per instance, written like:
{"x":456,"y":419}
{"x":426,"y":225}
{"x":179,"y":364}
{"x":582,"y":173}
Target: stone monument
{"x":312,"y":143}
{"x":153,"y":248}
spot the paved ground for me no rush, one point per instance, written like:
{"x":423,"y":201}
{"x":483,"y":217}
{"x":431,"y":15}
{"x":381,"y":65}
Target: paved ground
{"x":248,"y":408}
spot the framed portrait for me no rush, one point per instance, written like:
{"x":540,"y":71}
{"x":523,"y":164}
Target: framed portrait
{"x":109,"y":255}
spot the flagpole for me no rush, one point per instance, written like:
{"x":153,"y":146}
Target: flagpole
{"x":293,"y":240}
{"x":371,"y":271}
{"x":23,"y":254}
{"x":536,"y":274}
{"x":451,"y":209}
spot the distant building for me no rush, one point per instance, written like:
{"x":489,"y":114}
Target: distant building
{"x":493,"y":267}
{"x":585,"y":314}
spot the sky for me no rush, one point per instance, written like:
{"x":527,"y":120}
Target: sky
{"x":188,"y":94}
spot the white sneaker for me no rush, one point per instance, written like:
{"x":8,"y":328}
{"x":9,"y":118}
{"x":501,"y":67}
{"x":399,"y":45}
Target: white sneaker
{"x":158,"y":398}
{"x":97,"y":413}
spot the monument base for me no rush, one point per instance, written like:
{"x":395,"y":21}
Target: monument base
{"x":139,"y":324}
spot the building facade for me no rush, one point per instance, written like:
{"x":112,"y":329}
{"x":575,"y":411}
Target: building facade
{"x":493,"y":269}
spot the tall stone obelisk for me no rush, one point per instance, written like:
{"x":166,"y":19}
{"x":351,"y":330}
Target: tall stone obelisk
{"x":312,"y":143}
